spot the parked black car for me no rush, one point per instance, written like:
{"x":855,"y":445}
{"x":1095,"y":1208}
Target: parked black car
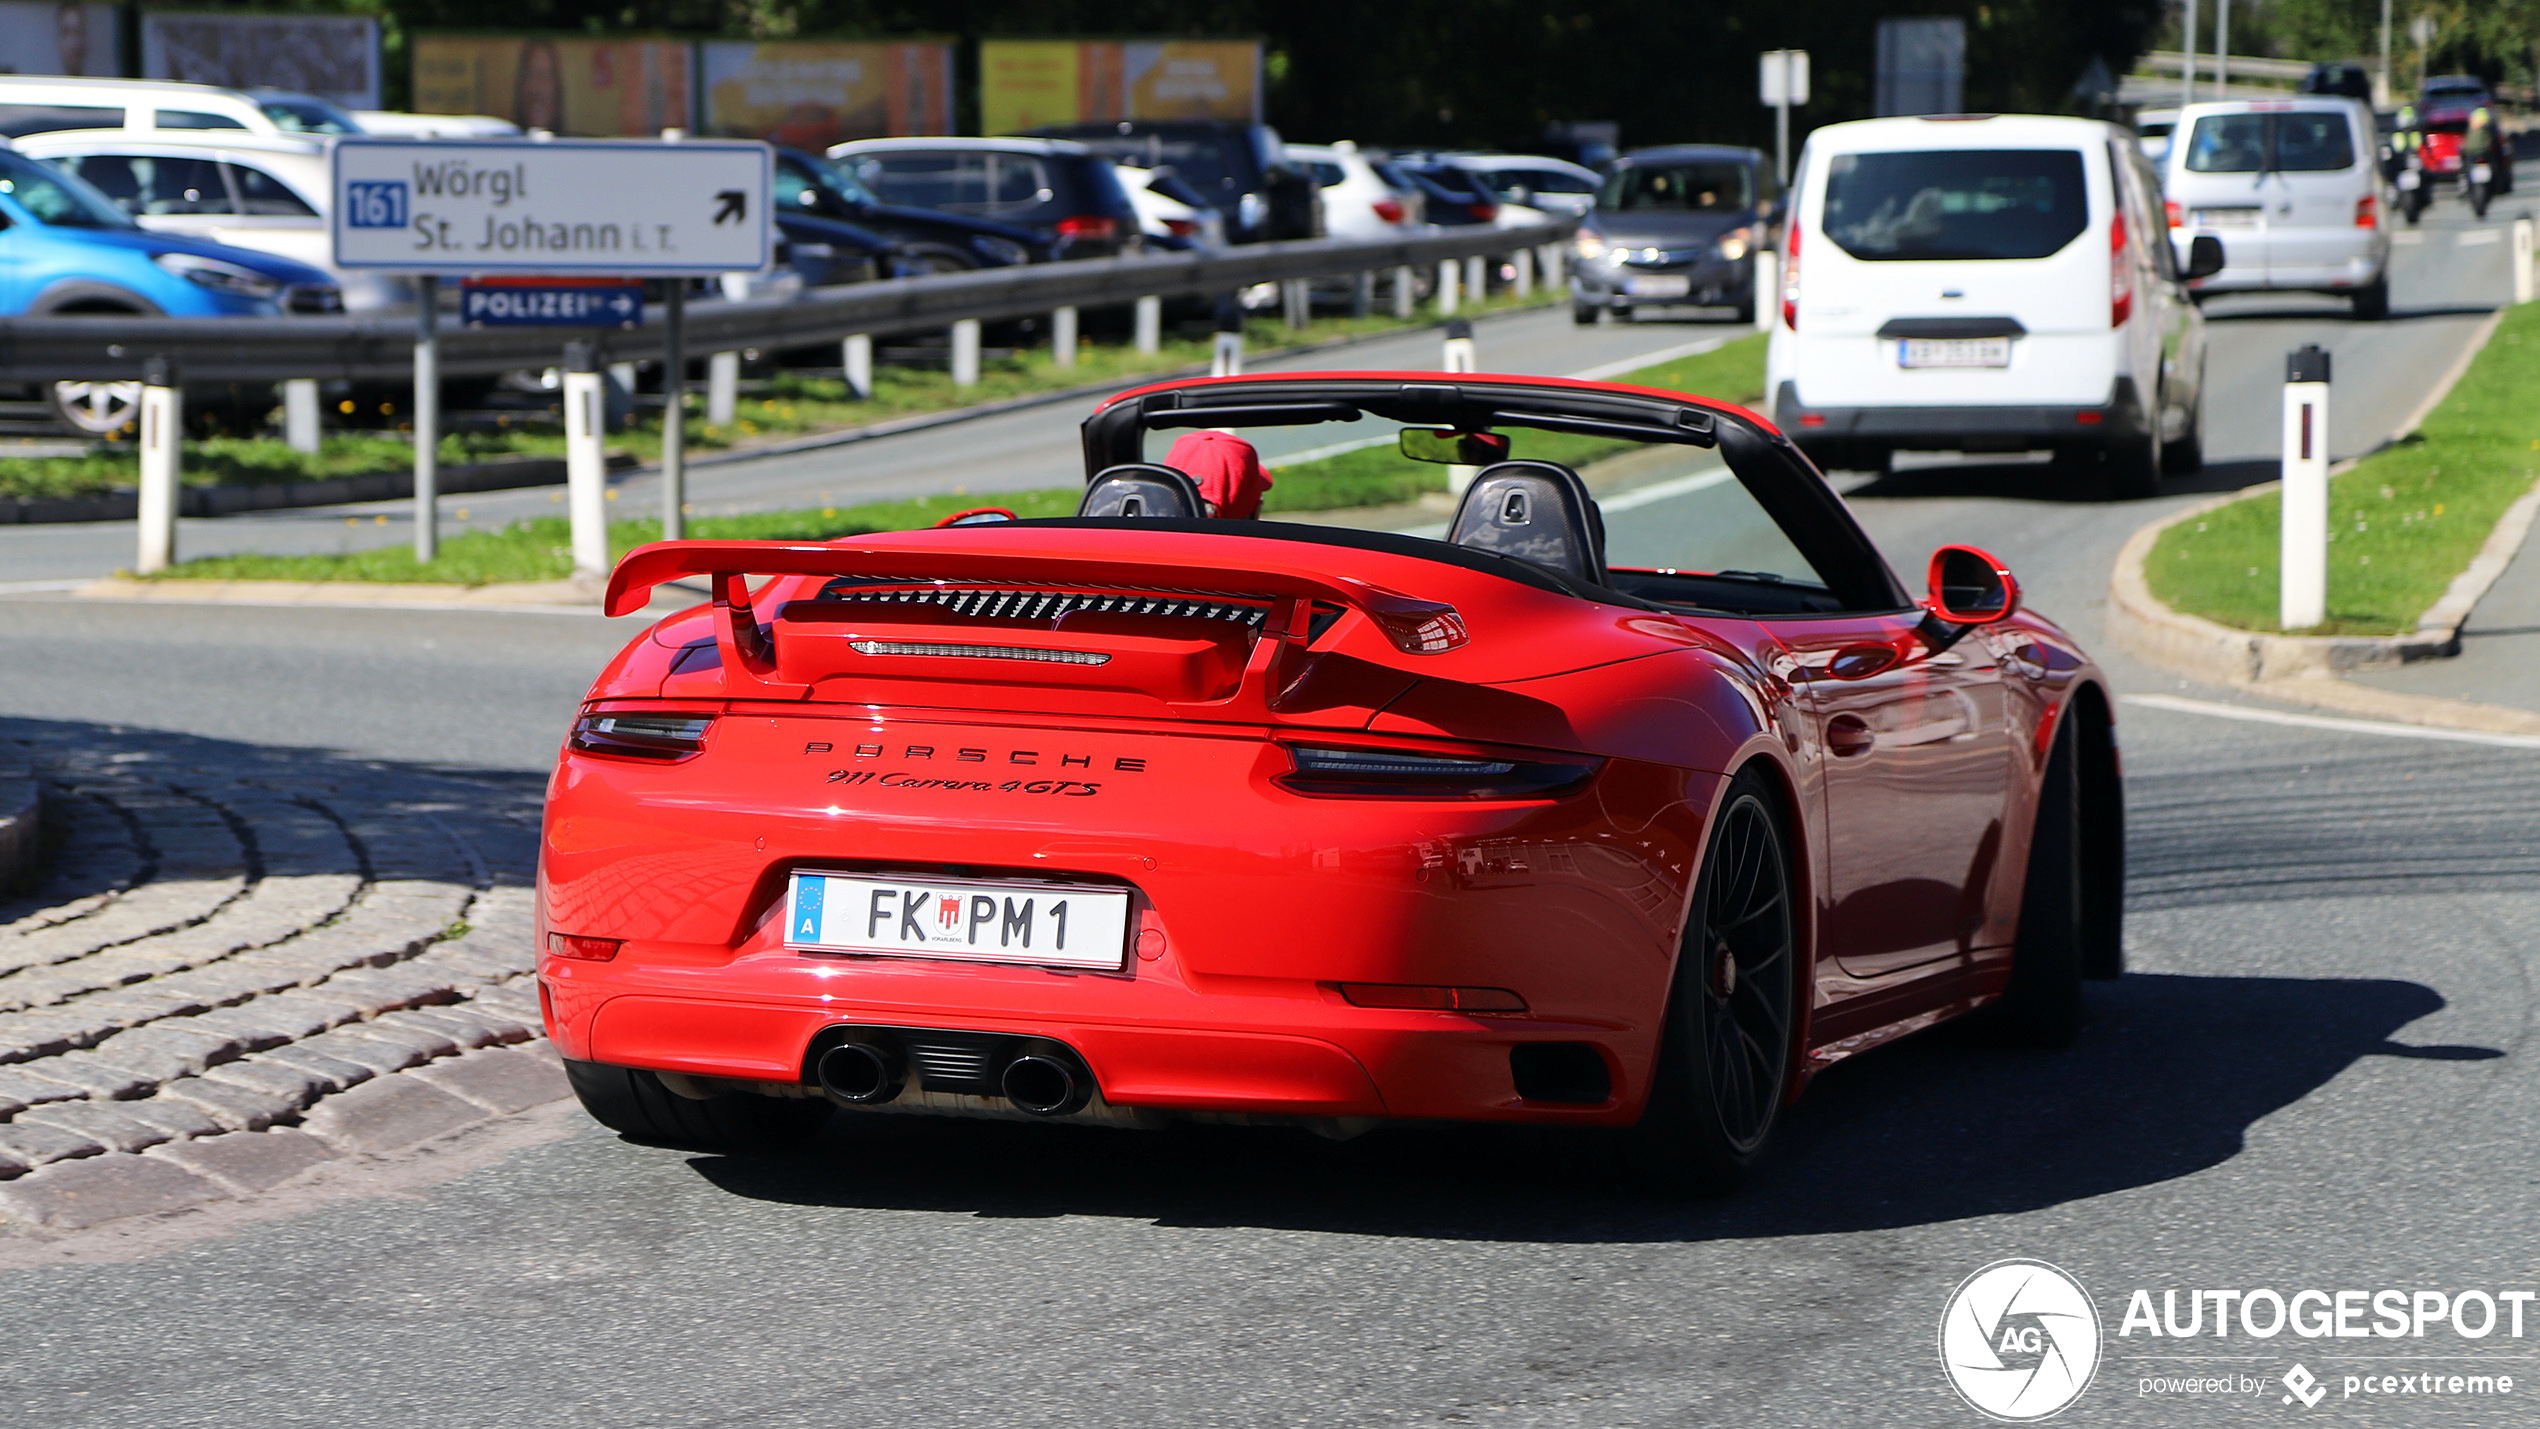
{"x":1452,"y":197}
{"x":932,"y":240}
{"x":2344,"y":78}
{"x":1067,"y":195}
{"x":1675,"y":226}
{"x":827,"y":252}
{"x":1241,"y":169}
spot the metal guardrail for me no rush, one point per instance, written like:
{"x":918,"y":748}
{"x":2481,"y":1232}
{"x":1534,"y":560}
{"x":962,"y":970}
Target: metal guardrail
{"x":113,"y":348}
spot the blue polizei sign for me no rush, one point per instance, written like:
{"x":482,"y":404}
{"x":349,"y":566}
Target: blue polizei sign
{"x":562,"y":305}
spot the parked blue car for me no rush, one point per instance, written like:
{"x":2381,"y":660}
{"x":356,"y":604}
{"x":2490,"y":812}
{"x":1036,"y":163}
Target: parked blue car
{"x":65,"y":248}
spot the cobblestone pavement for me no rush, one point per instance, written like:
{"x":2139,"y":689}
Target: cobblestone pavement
{"x":244,"y":962}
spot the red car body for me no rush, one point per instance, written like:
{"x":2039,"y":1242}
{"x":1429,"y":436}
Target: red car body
{"x":1296,"y":950}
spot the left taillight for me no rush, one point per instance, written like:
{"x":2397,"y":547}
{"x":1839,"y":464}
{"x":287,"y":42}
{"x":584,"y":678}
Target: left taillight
{"x":1388,"y":210}
{"x":2120,"y":274}
{"x":589,"y":950}
{"x":641,"y":735}
{"x":1485,"y":212}
{"x":1335,"y":772}
{"x":2368,"y":212}
{"x":1089,"y":227}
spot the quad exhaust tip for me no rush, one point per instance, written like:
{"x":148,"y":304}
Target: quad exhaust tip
{"x":863,"y":1073}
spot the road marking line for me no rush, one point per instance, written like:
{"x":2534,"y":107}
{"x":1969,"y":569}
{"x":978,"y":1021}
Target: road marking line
{"x":2408,"y":238}
{"x":2477,"y":237}
{"x":2176,"y":705}
{"x":41,"y":587}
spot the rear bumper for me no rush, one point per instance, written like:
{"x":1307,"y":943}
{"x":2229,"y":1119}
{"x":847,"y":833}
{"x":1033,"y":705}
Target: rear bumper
{"x":1831,"y":434}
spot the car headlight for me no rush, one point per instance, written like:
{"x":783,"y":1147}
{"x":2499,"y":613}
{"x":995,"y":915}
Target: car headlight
{"x":1591,"y":246}
{"x":218,"y":276}
{"x":1003,"y":252}
{"x":1735,"y":243}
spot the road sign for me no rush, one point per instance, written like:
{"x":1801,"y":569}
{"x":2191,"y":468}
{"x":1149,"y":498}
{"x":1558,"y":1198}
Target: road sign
{"x":1783,"y":77}
{"x":524,"y":206}
{"x":566,"y":304}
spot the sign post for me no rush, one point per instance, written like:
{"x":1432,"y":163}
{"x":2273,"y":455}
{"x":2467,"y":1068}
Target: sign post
{"x":1783,"y":84}
{"x":427,"y":422}
{"x":554,"y":208}
{"x":2303,"y":602}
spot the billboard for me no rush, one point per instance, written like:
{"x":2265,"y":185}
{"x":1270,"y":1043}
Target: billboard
{"x":1024,"y":84}
{"x":40,"y":38}
{"x":810,"y":94}
{"x":567,"y":85}
{"x":335,"y":57}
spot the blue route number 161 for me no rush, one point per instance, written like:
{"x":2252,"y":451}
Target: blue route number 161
{"x":380,"y":204}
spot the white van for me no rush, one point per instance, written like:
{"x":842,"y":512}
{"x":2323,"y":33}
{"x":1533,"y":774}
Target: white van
{"x":40,"y":104}
{"x":2292,"y":189}
{"x":1987,"y":283}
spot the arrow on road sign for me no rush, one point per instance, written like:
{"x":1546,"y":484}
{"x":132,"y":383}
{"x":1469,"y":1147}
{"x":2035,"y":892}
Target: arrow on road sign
{"x":734,"y":206}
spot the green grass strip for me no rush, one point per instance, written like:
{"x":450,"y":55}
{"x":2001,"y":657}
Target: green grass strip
{"x":2402,"y":524}
{"x":541,"y":549}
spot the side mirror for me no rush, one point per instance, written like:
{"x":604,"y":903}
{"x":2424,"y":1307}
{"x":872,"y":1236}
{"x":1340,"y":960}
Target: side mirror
{"x":1452,"y":448}
{"x":2204,"y":257}
{"x":1970,"y":587}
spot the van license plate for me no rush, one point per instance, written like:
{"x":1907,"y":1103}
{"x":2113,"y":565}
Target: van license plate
{"x":1070,"y":925}
{"x":1953,"y":352}
{"x":1658,"y":285}
{"x":2227,"y":217}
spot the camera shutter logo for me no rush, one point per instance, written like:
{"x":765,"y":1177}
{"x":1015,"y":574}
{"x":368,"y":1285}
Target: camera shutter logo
{"x":2020,"y":1340}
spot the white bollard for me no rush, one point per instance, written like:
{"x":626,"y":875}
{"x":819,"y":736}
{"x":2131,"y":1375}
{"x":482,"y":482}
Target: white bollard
{"x":1768,"y":289}
{"x":1555,"y":263}
{"x":300,"y":414}
{"x":162,"y":463}
{"x":2522,"y":260}
{"x":1476,"y":279}
{"x":1150,"y":325}
{"x":1362,"y":294}
{"x":1226,"y":359}
{"x":1296,"y":303}
{"x":858,"y":357}
{"x":1459,"y":355}
{"x":2304,"y":599}
{"x":1063,"y":338}
{"x":1405,"y":294}
{"x":1450,"y":273}
{"x":1525,"y":263}
{"x":586,"y":465}
{"x":965,"y":353}
{"x":723,"y":388}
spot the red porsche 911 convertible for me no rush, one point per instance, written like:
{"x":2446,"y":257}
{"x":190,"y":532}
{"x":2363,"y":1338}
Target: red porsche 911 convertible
{"x":1632,"y":797}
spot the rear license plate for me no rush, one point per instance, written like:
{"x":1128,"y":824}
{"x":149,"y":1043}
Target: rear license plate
{"x":1659,"y":285}
{"x":1953,"y":352}
{"x":972,"y":920}
{"x":2227,"y":217}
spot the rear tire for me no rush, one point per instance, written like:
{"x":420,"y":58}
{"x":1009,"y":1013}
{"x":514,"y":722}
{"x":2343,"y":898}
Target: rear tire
{"x":2132,"y":471}
{"x":1724,"y":1063}
{"x":2478,"y":199}
{"x":2412,"y":205}
{"x":1585,"y":314}
{"x":634,"y":1103}
{"x":2372,"y":303}
{"x":2042,"y":1006}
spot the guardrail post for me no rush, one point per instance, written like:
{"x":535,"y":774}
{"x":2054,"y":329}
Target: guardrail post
{"x":1459,"y":355}
{"x":427,"y":423}
{"x":674,"y":411}
{"x":1525,"y":265}
{"x":1450,"y":274}
{"x":1556,"y":263}
{"x":856,"y":361}
{"x":300,"y":414}
{"x":586,"y":465}
{"x":1063,"y":338}
{"x":2522,"y":260}
{"x":1150,"y":325}
{"x":1295,"y":302}
{"x":1768,"y":289}
{"x":1226,"y":359}
{"x":1476,"y":279}
{"x":2303,"y":601}
{"x":621,"y":392}
{"x":1405,"y":299}
{"x":1362,"y":294}
{"x":965,"y":353}
{"x":723,"y":388}
{"x":162,"y":463}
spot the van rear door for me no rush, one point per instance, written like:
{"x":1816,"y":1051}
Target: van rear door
{"x":2312,"y":188}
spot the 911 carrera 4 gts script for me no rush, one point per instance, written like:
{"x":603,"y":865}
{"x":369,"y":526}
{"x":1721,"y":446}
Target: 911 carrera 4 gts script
{"x":1052,"y":924}
{"x":901,"y":779}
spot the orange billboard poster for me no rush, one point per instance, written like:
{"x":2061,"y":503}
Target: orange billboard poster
{"x":812,"y":94}
{"x":593,"y":88}
{"x":1025,"y":84}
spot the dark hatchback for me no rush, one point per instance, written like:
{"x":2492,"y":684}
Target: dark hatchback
{"x":930,"y":240}
{"x":1452,"y":197}
{"x":1675,"y":226}
{"x":1242,"y":170}
{"x":1066,"y":194}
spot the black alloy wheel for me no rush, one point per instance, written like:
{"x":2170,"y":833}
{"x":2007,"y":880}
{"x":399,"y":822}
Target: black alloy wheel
{"x":636,"y":1104}
{"x":1724,"y":1066}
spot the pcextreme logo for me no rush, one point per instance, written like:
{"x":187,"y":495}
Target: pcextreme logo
{"x":2020,"y":1340}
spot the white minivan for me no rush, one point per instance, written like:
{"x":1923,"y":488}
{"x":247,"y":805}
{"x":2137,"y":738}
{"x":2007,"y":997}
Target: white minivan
{"x":1987,"y":283}
{"x":2292,"y":188}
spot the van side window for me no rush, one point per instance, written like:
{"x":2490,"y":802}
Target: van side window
{"x":262,"y":193}
{"x":19,"y":120}
{"x":195,"y":119}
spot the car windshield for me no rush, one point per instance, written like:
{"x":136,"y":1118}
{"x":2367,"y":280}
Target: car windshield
{"x":837,"y":180}
{"x":1716,"y":186}
{"x":1694,"y":536}
{"x":57,"y":199}
{"x":303,"y":114}
{"x":1955,"y":203}
{"x":2315,"y":142}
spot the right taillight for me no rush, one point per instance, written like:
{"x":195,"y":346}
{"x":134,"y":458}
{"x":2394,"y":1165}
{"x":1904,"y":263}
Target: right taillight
{"x":1333,"y":772}
{"x":2368,"y":212}
{"x":2178,"y":216}
{"x":1790,"y":276}
{"x":1485,"y":212}
{"x":1388,"y":210}
{"x":1089,"y":226}
{"x":589,"y":950}
{"x":641,"y":736}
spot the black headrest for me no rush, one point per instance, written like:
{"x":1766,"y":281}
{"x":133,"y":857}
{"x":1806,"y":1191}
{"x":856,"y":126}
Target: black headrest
{"x":1142,"y":489}
{"x":1537,"y":511}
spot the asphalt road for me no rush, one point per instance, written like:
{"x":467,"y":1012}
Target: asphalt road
{"x":2313,"y":1078}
